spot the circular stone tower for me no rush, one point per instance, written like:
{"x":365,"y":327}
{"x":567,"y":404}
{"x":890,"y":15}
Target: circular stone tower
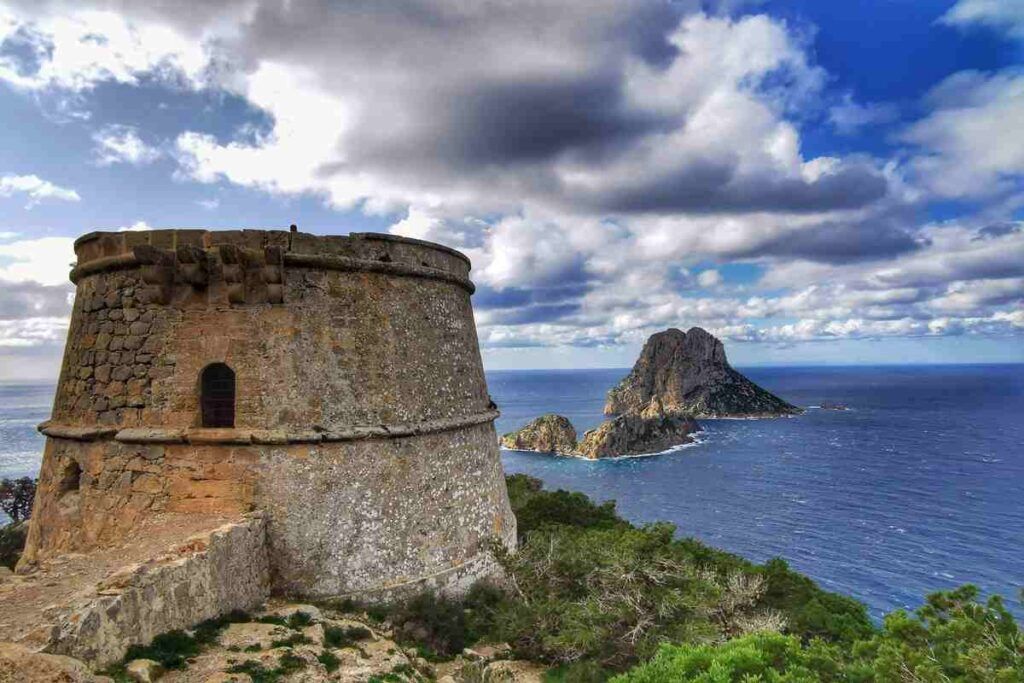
{"x":333,"y":382}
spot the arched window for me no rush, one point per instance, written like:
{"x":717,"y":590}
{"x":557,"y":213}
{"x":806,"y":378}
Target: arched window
{"x":217,"y":399}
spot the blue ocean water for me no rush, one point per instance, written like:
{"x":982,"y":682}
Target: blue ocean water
{"x":919,"y":487}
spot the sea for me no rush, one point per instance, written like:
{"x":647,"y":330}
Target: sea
{"x":917,"y":487}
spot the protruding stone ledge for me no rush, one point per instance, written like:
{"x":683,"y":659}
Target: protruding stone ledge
{"x":348,"y":263}
{"x":76,"y":433}
{"x":147,"y":435}
{"x":163,"y":251}
{"x":242,"y":436}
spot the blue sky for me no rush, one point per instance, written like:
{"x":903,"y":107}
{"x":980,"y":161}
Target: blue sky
{"x":815,"y":182}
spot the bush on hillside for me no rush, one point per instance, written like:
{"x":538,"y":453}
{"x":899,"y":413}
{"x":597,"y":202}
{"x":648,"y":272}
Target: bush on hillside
{"x":588,"y":591}
{"x":12,"y":542}
{"x":16,"y":498}
{"x":953,"y":637}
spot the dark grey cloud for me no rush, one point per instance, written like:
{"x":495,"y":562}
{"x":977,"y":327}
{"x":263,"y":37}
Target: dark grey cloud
{"x":845,"y":242}
{"x":22,"y":300}
{"x":511,"y":121}
{"x":543,"y":313}
{"x":714,"y":185}
{"x":998,"y":230}
{"x":514,"y":297}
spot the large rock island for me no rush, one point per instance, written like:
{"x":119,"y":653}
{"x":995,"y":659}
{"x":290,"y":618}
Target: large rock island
{"x":678,"y":377}
{"x":686,"y":373}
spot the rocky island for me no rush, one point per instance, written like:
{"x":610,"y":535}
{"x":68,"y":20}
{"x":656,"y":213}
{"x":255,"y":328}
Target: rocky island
{"x":687,"y":373}
{"x":679,"y":376}
{"x":547,"y":434}
{"x":636,"y":435}
{"x":620,"y":436}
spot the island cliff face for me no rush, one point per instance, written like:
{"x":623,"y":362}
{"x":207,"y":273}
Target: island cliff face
{"x":636,"y":435}
{"x":687,"y":373}
{"x":547,"y":434}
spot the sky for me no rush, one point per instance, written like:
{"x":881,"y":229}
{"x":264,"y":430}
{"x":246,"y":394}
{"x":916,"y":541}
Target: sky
{"x":814,"y":182}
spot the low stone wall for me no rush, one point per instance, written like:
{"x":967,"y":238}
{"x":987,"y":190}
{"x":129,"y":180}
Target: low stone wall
{"x":205,"y":577}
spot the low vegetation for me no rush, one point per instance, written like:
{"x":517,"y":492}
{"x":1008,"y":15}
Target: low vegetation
{"x":598,"y":599}
{"x":16,"y":498}
{"x":952,"y":638}
{"x":595,"y":596}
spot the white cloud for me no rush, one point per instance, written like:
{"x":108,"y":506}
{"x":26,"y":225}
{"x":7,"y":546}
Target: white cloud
{"x":972,"y":142}
{"x":117,"y":144}
{"x":586,"y":177}
{"x":849,"y":116}
{"x":709,"y":278}
{"x":137,"y":226}
{"x":1004,"y":15}
{"x":76,"y":47}
{"x":35,"y":188}
{"x":32,"y":332}
{"x":46,"y":260}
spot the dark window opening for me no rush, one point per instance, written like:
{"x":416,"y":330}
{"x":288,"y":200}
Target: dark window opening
{"x":70,"y":477}
{"x":218,"y":396}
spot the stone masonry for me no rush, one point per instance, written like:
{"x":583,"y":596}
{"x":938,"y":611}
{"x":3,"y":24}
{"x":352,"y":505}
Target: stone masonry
{"x":362,"y":425}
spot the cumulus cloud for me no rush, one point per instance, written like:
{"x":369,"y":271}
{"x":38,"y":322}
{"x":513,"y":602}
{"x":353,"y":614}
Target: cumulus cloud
{"x":75,"y":50}
{"x":972,"y":142}
{"x":117,"y":144}
{"x":35,"y":188}
{"x":45,"y":260}
{"x":32,"y":332}
{"x":588,"y":157}
{"x":849,"y":116}
{"x":1003,"y":15}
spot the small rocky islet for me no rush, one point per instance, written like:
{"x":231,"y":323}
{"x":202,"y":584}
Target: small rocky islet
{"x":679,"y":377}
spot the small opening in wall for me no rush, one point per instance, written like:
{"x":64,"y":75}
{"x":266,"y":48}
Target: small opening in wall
{"x":70,"y":477}
{"x":217,"y":398}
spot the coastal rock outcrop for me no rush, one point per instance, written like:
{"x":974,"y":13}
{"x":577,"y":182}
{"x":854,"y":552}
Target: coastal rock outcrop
{"x":631,"y":434}
{"x":547,"y":434}
{"x":687,"y":373}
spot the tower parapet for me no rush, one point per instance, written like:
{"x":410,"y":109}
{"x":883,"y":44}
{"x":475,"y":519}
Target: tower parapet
{"x":334,"y":382}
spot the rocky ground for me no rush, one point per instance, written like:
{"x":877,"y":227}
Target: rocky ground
{"x":299,"y":642}
{"x":284,"y":642}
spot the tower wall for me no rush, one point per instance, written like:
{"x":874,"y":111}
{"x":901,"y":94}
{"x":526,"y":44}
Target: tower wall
{"x":362,"y":421}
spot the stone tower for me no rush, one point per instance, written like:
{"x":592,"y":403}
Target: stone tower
{"x":334,"y":383}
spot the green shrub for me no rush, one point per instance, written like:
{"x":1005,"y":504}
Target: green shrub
{"x":287,"y":664}
{"x":171,"y":649}
{"x":12,"y":542}
{"x":953,"y":637}
{"x":293,"y":639}
{"x":17,"y":497}
{"x":768,"y":657}
{"x":207,"y":632}
{"x":299,"y":620}
{"x":329,"y":660}
{"x":340,"y":636}
{"x":577,"y":672}
{"x":433,"y":622}
{"x":535,"y":508}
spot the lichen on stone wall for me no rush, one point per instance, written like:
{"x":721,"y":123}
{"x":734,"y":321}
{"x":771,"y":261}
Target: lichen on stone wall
{"x":361,"y":419}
